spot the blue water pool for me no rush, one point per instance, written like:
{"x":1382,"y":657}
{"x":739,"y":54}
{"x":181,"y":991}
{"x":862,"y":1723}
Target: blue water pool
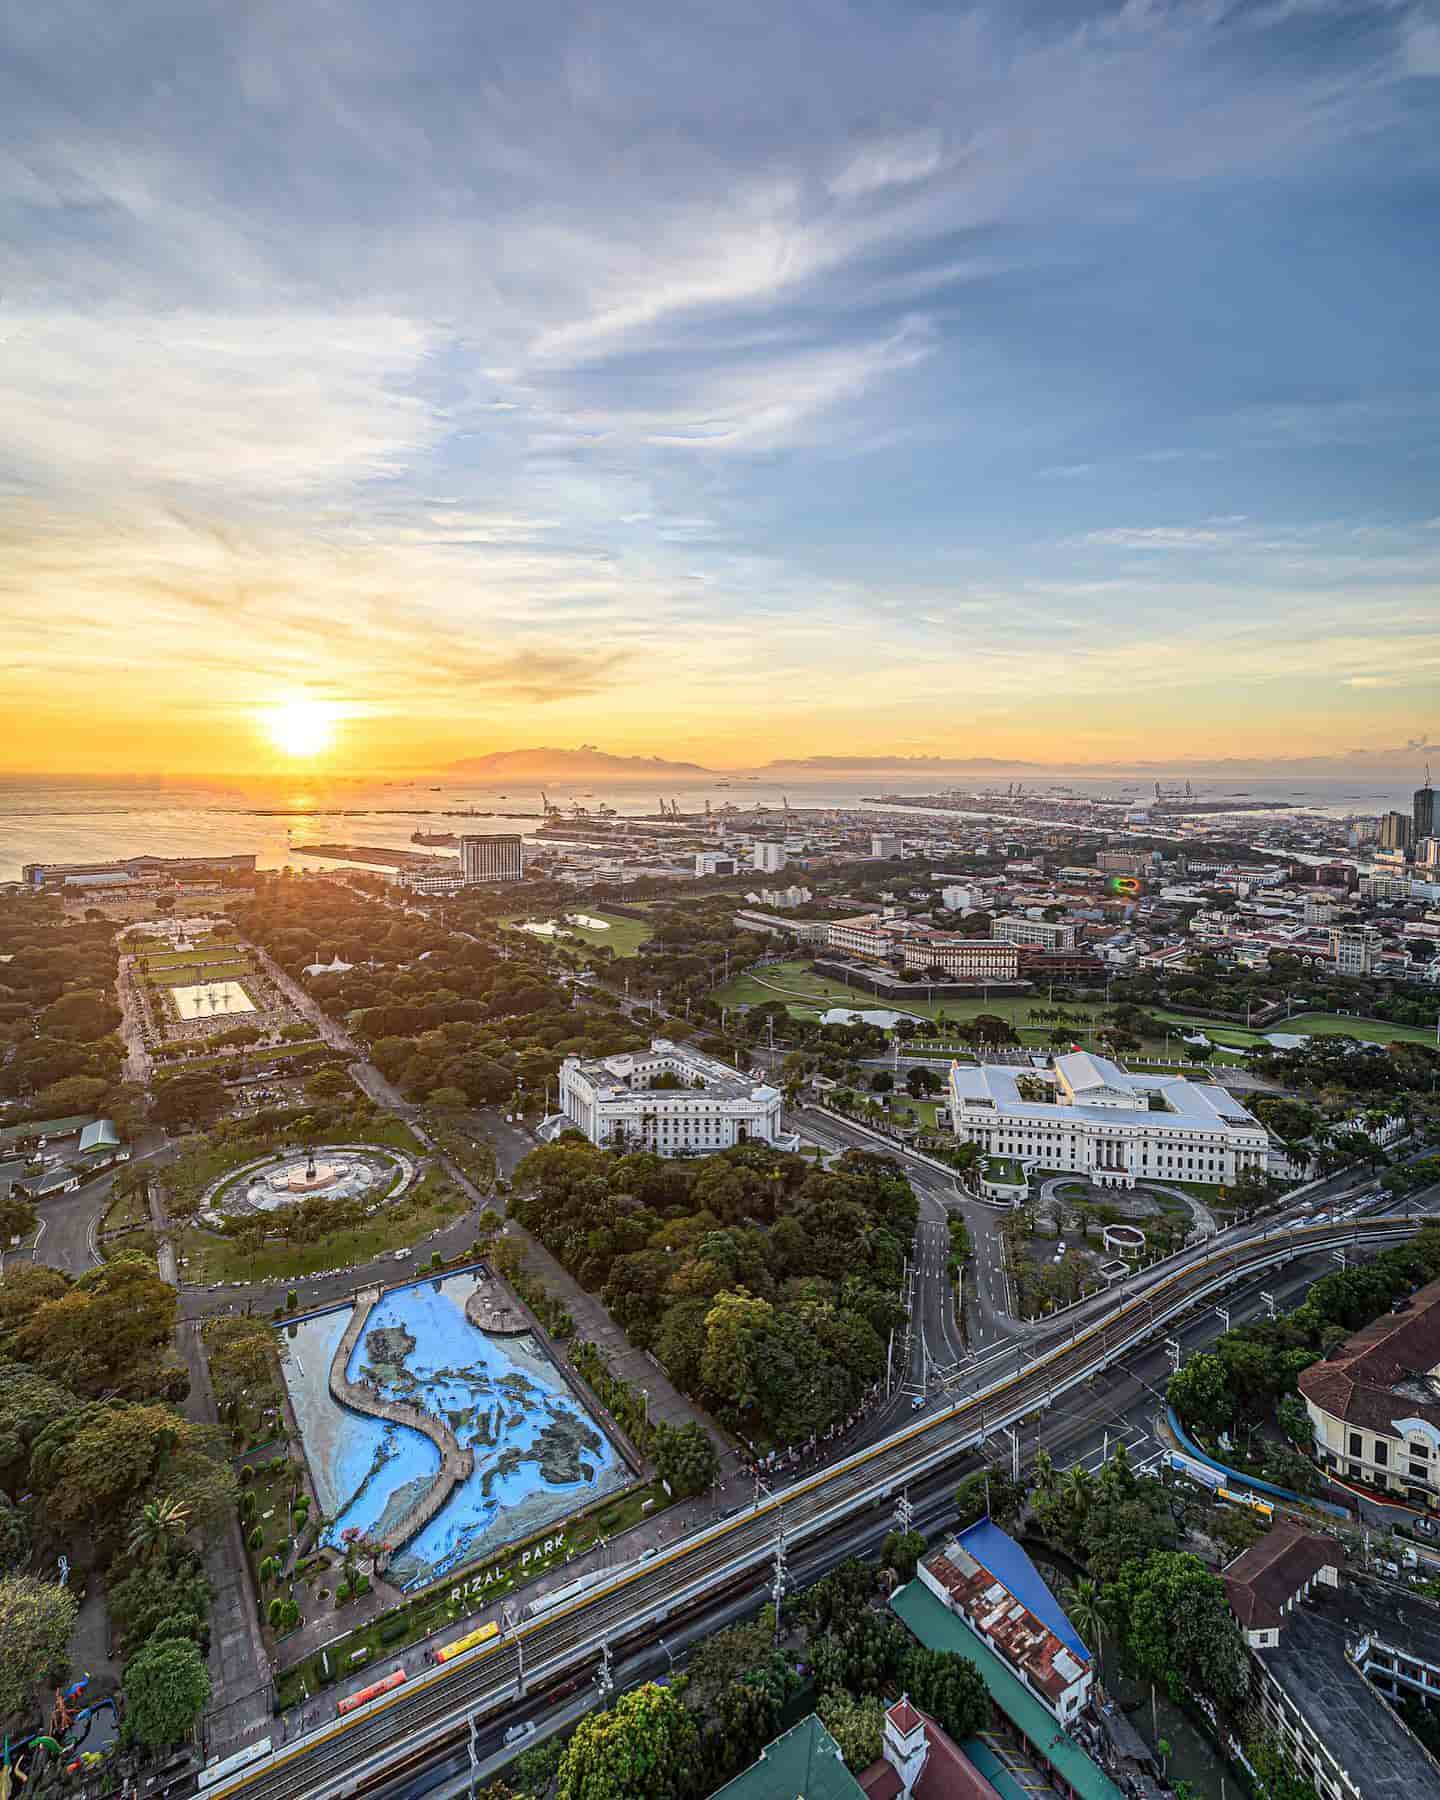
{"x":539,"y":1454}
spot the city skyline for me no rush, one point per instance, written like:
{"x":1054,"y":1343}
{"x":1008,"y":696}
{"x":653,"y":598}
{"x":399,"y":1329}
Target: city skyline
{"x":1047,"y":386}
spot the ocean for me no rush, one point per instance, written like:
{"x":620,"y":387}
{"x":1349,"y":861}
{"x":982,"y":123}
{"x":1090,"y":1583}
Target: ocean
{"x":67,"y":819}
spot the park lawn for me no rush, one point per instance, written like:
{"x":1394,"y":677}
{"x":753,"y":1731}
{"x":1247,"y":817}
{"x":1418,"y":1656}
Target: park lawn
{"x":1368,"y":1031}
{"x":922,"y":1111}
{"x":130,"y":1208}
{"x":245,"y":1054}
{"x":201,"y":974}
{"x":433,"y":1610}
{"x":210,"y":1257}
{"x":624,"y":936}
{"x":197,"y":1168}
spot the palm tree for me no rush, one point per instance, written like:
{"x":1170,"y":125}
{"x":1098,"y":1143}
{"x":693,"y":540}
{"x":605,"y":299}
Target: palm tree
{"x":1077,"y":1490}
{"x":157,"y":1522}
{"x":1086,"y":1608}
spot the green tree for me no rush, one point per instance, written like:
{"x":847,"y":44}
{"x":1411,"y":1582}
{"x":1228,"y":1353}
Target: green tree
{"x":645,"y":1744}
{"x":857,"y":1726}
{"x":1088,"y":1613}
{"x":1274,"y":1777}
{"x":1295,"y":1421}
{"x":14,"y":1537}
{"x":17,"y":1217}
{"x":156,"y":1526}
{"x":685,"y":1457}
{"x":143,"y":1602}
{"x":36,"y":1619}
{"x":950,"y":1688}
{"x":901,"y":1551}
{"x":1177,"y":1628}
{"x":167,"y":1687}
{"x":992,"y":1492}
{"x":1200,"y":1393}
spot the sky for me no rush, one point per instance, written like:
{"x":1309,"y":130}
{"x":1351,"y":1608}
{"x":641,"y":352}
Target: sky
{"x":385,"y":384}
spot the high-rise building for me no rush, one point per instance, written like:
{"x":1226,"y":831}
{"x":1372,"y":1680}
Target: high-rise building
{"x":769,"y":858}
{"x":1395,"y":830}
{"x":884,"y":846}
{"x":492,"y":856}
{"x":1422,"y":815}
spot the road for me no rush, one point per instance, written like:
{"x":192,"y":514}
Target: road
{"x":345,"y":1755}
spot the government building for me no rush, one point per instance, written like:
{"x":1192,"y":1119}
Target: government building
{"x":668,"y":1099}
{"x":1089,"y":1116}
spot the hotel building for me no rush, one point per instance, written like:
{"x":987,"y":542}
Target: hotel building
{"x":492,"y":856}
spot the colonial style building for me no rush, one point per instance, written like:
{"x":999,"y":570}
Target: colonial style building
{"x":1375,"y":1402}
{"x":1090,"y":1116}
{"x":668,"y":1099}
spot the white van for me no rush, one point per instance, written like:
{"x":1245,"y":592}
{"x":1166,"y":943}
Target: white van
{"x":516,"y":1732}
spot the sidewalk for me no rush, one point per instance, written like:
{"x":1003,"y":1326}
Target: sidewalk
{"x":239,"y":1667}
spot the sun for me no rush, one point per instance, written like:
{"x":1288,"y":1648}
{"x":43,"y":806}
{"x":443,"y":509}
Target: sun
{"x":299,"y":727}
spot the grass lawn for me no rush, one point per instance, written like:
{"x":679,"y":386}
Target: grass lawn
{"x":194,"y":1172}
{"x":199,"y":974}
{"x":125,"y":1209}
{"x":624,"y":936}
{"x":434,"y":1611}
{"x":435,"y":1202}
{"x":1002,"y":1168}
{"x":1368,"y":1031}
{"x":921,"y":1111}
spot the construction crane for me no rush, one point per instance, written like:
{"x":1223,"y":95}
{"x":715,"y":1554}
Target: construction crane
{"x":552,"y":811}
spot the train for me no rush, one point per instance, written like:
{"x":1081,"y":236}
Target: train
{"x":373,"y":1692}
{"x":450,"y":1651}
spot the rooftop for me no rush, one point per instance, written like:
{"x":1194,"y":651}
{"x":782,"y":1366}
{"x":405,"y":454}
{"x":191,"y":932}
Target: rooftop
{"x":1378,"y":1753}
{"x":1262,"y":1582}
{"x":631,"y":1073}
{"x":1094,"y":1088}
{"x":1381,"y":1373}
{"x":804,"y":1763}
{"x":939,"y":1629}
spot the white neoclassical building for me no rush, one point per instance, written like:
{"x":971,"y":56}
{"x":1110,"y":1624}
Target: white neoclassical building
{"x":1090,"y":1116}
{"x":669,"y":1099}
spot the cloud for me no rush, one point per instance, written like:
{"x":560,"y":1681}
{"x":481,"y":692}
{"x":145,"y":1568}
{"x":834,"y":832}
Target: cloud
{"x":265,"y":403}
{"x":892,"y":162}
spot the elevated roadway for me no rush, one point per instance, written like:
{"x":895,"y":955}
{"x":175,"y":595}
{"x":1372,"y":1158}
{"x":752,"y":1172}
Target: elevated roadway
{"x":349,"y":1755}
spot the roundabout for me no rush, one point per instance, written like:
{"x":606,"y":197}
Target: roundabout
{"x":369,"y":1174}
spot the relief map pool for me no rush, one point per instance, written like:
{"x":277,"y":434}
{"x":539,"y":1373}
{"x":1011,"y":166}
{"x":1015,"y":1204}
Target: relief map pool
{"x":539,"y":1455}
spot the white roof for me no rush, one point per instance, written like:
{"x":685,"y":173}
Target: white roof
{"x":1189,"y":1104}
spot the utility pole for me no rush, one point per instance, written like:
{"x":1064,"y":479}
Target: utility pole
{"x":1223,"y":1314}
{"x":777,"y":1591}
{"x":1173,"y":1346}
{"x":1268,"y":1302}
{"x":604,"y":1680}
{"x":474,"y":1723}
{"x":1014,"y":1437}
{"x":904,"y":1511}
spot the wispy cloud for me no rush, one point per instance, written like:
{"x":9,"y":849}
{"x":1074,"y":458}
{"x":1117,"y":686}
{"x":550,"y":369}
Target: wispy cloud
{"x":572,"y":357}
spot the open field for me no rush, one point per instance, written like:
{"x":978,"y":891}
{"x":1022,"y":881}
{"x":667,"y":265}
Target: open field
{"x":623,"y":936}
{"x":198,"y":972}
{"x":808,"y":995}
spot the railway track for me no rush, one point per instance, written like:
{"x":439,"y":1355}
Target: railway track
{"x":344,"y":1756}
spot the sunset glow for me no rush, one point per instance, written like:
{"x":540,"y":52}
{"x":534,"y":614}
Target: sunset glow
{"x":299,"y":728}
